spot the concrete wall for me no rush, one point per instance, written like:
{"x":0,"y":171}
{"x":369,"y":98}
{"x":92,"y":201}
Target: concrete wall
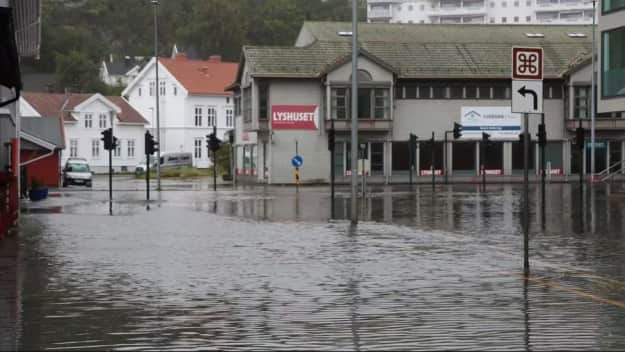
{"x":312,"y":145}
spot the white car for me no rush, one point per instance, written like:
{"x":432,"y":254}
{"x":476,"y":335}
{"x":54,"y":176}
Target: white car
{"x":77,"y":172}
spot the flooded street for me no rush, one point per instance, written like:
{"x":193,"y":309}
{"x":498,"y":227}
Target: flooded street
{"x":273,"y":268}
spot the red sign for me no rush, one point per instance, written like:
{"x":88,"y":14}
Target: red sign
{"x":527,"y":63}
{"x":294,"y":117}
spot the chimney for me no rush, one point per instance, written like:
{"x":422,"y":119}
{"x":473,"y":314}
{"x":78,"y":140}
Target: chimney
{"x":214,"y":58}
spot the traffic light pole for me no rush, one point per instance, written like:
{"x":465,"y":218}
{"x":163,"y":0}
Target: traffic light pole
{"x":445,"y":156}
{"x":147,"y":178}
{"x":332,"y":164}
{"x":482,"y":162}
{"x":433,"y":165}
{"x":543,"y":160}
{"x":215,"y":161}
{"x":411,"y":153}
{"x":111,"y":176}
{"x":526,"y":151}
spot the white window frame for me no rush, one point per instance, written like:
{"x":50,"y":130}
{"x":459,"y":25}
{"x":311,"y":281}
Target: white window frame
{"x":197,"y":148}
{"x":73,"y":148}
{"x":152,"y":87}
{"x":229,"y":117}
{"x":95,"y":148}
{"x":211,"y":116}
{"x":117,"y":152}
{"x":198,"y":115}
{"x":88,"y":120}
{"x":163,"y":88}
{"x":130,"y":145}
{"x":102,"y":121}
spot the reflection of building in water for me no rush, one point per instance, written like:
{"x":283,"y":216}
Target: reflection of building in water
{"x":10,"y":295}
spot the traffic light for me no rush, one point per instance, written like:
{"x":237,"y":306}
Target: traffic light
{"x":331,"y":139}
{"x":486,"y":139}
{"x":213,"y":142}
{"x":413,"y":141}
{"x":522,"y":137}
{"x":107,"y":138}
{"x":457,"y":130}
{"x":542,"y":135}
{"x":231,"y":137}
{"x":579,"y":137}
{"x":150,"y":145}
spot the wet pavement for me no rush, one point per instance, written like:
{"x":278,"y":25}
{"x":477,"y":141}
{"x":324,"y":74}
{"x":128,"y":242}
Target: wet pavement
{"x":275,"y":268}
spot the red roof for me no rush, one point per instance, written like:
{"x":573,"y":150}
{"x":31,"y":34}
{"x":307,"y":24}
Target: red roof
{"x":202,"y":77}
{"x":54,"y":104}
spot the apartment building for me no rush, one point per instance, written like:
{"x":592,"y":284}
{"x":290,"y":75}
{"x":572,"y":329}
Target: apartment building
{"x":611,"y":36}
{"x":480,"y":11}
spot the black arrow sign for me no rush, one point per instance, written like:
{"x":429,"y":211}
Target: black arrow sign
{"x":524,"y":91}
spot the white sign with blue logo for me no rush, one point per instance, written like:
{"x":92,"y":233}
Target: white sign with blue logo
{"x":297,"y":161}
{"x":498,"y":121}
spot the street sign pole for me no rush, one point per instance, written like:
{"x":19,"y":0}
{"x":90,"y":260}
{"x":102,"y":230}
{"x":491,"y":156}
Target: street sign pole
{"x":332,"y":171}
{"x":526,"y":151}
{"x":433,"y":165}
{"x":543,"y":160}
{"x":411,"y":153}
{"x":445,"y":156}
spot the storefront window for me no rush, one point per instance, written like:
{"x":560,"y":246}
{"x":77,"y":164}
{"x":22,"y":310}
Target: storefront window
{"x":463,"y":155}
{"x":401,"y":156}
{"x":553,"y":157}
{"x":425,"y":156}
{"x":493,"y":156}
{"x":518,"y":157}
{"x":613,"y":65}
{"x":613,"y":5}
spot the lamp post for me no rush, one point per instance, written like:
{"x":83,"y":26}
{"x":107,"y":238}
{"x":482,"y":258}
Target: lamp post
{"x":155,"y":3}
{"x":354,"y":145}
{"x":592,"y":99}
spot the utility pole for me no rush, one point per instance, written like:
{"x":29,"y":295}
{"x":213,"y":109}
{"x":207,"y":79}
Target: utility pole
{"x":157,"y":89}
{"x":526,"y":151}
{"x":331,"y":147}
{"x":354,"y":111}
{"x":592,"y":99}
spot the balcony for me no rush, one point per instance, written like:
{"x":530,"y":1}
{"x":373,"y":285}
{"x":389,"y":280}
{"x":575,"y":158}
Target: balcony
{"x":604,"y":124}
{"x":363,"y":125}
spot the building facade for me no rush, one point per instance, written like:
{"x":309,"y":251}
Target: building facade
{"x":611,"y":38}
{"x":85,"y":116}
{"x":480,"y":11}
{"x":192,"y":99}
{"x":412,"y":79}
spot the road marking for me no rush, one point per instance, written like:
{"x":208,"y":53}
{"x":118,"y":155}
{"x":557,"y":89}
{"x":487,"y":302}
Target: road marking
{"x":550,"y":283}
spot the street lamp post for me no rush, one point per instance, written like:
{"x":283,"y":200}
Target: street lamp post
{"x":592,"y":99}
{"x":354,"y":139}
{"x":157,"y":91}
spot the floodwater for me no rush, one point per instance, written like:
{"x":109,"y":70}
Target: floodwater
{"x":274,"y":268}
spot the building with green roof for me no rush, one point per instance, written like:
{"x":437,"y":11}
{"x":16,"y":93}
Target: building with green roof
{"x":417,"y":79}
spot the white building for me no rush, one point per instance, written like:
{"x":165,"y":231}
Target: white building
{"x":85,"y":116}
{"x":192,"y":99}
{"x":480,"y":11}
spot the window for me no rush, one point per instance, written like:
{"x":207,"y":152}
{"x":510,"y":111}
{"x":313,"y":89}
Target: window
{"x":197,"y":148}
{"x":470,"y":91}
{"x":439,"y":92}
{"x":528,"y":19}
{"x":229,"y":118}
{"x":516,"y":19}
{"x":504,"y":20}
{"x":237,"y":105}
{"x":612,"y":5}
{"x":492,"y":20}
{"x":516,"y":4}
{"x":339,"y":103}
{"x":455,"y":92}
{"x":411,"y":92}
{"x":211,"y":116}
{"x":492,"y":5}
{"x":377,"y":158}
{"x":131,"y":148}
{"x":409,"y":7}
{"x":139,"y":92}
{"x":528,"y":3}
{"x":247,"y":104}
{"x":484,"y":91}
{"x":552,"y":90}
{"x":227,"y":100}
{"x":152,"y":87}
{"x":381,"y":104}
{"x":73,"y":148}
{"x":504,"y":4}
{"x":198,"y":116}
{"x":422,"y":7}
{"x":95,"y":148}
{"x":162,"y":89}
{"x":613,"y":63}
{"x":581,"y":104}
{"x":263,"y":101}
{"x":117,"y":152}
{"x":174,"y":89}
{"x":88,"y":120}
{"x":102,"y":121}
{"x":501,"y":91}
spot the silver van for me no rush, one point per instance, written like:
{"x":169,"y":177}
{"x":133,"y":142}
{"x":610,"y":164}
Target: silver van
{"x":176,"y":159}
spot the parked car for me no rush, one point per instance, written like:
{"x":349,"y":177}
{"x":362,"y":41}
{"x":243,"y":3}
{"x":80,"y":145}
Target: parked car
{"x":142,"y":166}
{"x":77,"y":172}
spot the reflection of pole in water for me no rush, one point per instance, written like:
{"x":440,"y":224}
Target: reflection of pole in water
{"x":592,"y":209}
{"x":526,"y":313}
{"x":352,"y":285}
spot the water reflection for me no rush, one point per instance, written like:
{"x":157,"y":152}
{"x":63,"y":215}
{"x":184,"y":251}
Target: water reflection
{"x":265,"y":269}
